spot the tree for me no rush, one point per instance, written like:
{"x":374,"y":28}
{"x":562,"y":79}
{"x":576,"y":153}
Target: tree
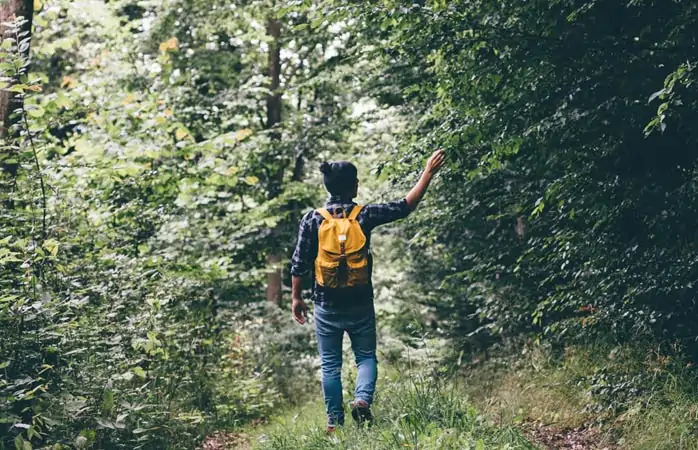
{"x":549,"y":115}
{"x":15,"y":27}
{"x":274,"y":106}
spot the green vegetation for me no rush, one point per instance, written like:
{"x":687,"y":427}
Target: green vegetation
{"x":414,"y":410}
{"x":621,"y":397}
{"x":156,"y":156}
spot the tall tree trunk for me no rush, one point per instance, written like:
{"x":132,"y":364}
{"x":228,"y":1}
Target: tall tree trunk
{"x":10,"y":10}
{"x":274,"y":68}
{"x":274,"y":278}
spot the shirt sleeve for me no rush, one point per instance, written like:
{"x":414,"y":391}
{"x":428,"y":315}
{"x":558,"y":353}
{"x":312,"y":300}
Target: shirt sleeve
{"x":382,"y":213}
{"x":306,"y":249}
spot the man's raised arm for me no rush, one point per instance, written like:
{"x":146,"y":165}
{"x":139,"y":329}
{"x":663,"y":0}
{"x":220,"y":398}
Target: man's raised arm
{"x":436,"y":160}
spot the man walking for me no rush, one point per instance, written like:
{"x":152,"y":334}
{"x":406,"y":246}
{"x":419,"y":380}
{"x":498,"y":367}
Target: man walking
{"x":334,"y":246}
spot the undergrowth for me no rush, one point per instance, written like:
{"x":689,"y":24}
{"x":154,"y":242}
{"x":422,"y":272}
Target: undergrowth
{"x":418,"y":411}
{"x":635,"y":398}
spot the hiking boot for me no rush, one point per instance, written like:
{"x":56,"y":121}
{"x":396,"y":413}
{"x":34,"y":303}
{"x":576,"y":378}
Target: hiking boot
{"x":331,"y":429}
{"x":361,"y":412}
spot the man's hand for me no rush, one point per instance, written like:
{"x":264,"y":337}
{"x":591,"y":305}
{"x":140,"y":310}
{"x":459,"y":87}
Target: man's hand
{"x":300,"y":310}
{"x":435,"y":162}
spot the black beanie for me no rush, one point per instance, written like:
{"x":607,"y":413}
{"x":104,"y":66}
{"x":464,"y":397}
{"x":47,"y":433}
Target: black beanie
{"x":339,"y":177}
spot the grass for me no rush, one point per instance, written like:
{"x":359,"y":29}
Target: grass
{"x":417,"y":411}
{"x":586,"y":389}
{"x":529,"y":388}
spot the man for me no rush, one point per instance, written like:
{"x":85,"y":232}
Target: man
{"x":334,"y":246}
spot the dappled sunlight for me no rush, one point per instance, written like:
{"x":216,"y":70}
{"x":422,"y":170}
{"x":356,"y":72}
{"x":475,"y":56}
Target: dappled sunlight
{"x":224,"y":223}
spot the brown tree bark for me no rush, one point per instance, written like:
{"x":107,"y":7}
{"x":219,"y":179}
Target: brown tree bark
{"x":274,"y":68}
{"x":274,"y":104}
{"x":10,"y":10}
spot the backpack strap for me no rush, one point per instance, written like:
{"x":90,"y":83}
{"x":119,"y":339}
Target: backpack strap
{"x":324,"y":213}
{"x":355,"y":212}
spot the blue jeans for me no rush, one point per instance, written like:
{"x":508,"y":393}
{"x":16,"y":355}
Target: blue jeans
{"x":330,"y":324}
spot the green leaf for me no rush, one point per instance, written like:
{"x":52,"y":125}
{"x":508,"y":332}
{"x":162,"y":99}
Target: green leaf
{"x":63,"y":101}
{"x":139,"y":372}
{"x":40,"y":21}
{"x":36,"y":112}
{"x":108,"y":401}
{"x":21,"y":444}
{"x":243,"y":134}
{"x":181,"y":134}
{"x":20,"y":88}
{"x":317,"y":22}
{"x":105,"y":423}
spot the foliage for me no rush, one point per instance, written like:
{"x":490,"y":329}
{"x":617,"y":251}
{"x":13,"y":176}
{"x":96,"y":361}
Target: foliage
{"x":567,"y":209}
{"x":590,"y":389}
{"x":161,"y":171}
{"x":136,"y":231}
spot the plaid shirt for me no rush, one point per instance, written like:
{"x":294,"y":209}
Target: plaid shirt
{"x":303,"y":260}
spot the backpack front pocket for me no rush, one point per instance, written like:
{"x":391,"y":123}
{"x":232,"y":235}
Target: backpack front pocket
{"x":358,"y":270}
{"x":329,"y":275}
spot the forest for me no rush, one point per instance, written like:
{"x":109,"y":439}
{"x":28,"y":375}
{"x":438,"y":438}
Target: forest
{"x":157,"y":156}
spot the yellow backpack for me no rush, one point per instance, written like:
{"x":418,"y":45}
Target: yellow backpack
{"x":342,"y":257}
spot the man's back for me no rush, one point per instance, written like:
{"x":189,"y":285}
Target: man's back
{"x":346,"y":309}
{"x":370,"y":216}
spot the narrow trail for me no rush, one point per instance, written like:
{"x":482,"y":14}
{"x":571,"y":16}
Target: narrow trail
{"x":540,"y":436}
{"x":417,"y":411}
{"x":225,"y":441}
{"x":549,"y":437}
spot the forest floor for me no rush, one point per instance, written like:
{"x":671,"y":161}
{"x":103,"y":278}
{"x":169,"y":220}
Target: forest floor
{"x":419,"y":407}
{"x":550,"y":437}
{"x":303,"y":428}
{"x":540,"y":436}
{"x":418,"y":410}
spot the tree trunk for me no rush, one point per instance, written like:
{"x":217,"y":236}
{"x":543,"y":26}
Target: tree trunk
{"x":10,"y":10}
{"x":274,"y":278}
{"x":274,"y":97}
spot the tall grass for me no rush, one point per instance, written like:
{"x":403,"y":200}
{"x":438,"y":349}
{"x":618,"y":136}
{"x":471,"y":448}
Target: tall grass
{"x":422,"y":411}
{"x":633,"y":397}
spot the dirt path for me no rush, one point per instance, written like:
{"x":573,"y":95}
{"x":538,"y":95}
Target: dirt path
{"x":552,"y":438}
{"x":226,"y":441}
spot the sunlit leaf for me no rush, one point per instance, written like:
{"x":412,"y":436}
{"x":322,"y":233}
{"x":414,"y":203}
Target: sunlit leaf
{"x":52,"y":246}
{"x":181,"y":134}
{"x":130,"y":98}
{"x":20,"y":88}
{"x":139,"y":372}
{"x":170,"y":44}
{"x":63,"y":101}
{"x":243,"y":134}
{"x":36,"y":112}
{"x":68,"y":82}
